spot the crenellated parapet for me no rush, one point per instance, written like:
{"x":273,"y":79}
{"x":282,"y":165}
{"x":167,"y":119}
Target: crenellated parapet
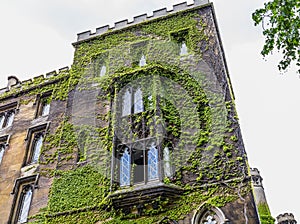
{"x":14,"y":85}
{"x":138,"y":19}
{"x":286,"y":218}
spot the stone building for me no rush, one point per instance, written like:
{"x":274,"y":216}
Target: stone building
{"x":141,"y":129}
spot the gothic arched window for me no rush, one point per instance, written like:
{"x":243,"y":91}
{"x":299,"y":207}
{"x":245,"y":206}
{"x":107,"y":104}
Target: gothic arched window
{"x":211,"y":215}
{"x":7,"y":118}
{"x":35,"y":140}
{"x":132,"y":102}
{"x":36,"y":147}
{"x":24,"y":203}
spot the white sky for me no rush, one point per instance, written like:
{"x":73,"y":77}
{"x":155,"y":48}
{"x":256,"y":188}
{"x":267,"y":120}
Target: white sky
{"x":36,"y":38}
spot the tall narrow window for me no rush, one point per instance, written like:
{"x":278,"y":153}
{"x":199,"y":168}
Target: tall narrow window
{"x":103,"y":71}
{"x":125,"y":168}
{"x":183,"y":49}
{"x":138,"y":101}
{"x":45,"y":108}
{"x":126,"y":106}
{"x":7,"y":118}
{"x":36,"y":147}
{"x":43,"y":105}
{"x":167,"y":162}
{"x":3,"y":145}
{"x":35,"y":139}
{"x":25,"y":200}
{"x":2,"y":118}
{"x":2,"y":148}
{"x":152,"y":163}
{"x":142,"y":61}
{"x":23,"y":193}
{"x":138,"y":165}
{"x":132,"y":101}
{"x":10,"y":118}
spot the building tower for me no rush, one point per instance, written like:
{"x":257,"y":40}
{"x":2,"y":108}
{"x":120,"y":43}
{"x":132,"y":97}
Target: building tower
{"x":286,"y":218}
{"x":259,"y":195}
{"x":141,"y":129}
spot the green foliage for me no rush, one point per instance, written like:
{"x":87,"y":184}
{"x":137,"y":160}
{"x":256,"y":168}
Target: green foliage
{"x":79,"y":188}
{"x":281,"y":23}
{"x":264,"y":214}
{"x":80,"y":195}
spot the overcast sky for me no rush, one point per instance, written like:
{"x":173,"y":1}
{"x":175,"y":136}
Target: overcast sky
{"x":36,"y":38}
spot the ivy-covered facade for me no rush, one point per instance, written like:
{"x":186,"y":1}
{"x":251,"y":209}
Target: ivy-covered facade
{"x":141,"y":129}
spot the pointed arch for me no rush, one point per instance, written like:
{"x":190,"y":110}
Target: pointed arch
{"x":207,"y":214}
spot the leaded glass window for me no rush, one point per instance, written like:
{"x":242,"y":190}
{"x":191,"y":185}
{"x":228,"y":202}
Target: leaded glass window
{"x":25,"y":200}
{"x":125,"y":168}
{"x":209,"y":220}
{"x":152,"y":163}
{"x":213,"y":215}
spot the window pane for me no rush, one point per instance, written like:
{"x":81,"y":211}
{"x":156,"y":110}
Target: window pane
{"x":2,"y":118}
{"x":37,"y":145}
{"x":10,"y":118}
{"x":45,"y":109}
{"x":183,"y":49}
{"x":152,"y":163}
{"x":167,"y":165}
{"x":209,"y":220}
{"x":142,"y":61}
{"x":126,"y":105}
{"x":138,"y":101}
{"x":138,"y":166}
{"x":125,"y":169}
{"x":103,"y":71}
{"x":2,"y":147}
{"x":25,"y":205}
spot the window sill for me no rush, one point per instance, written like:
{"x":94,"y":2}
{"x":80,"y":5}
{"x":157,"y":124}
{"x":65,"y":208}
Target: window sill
{"x":143,"y":194}
{"x":29,"y":170}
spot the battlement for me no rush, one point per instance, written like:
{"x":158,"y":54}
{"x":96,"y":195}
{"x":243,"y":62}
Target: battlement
{"x":254,"y":172}
{"x":15,"y":85}
{"x":286,"y":218}
{"x":138,"y":19}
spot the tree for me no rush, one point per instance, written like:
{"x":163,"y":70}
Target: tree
{"x":280,"y":20}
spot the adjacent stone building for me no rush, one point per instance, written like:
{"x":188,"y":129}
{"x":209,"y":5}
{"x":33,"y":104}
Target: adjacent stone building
{"x":141,"y":129}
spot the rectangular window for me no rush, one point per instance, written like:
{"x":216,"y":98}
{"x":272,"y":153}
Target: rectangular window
{"x":23,"y":194}
{"x":138,"y":163}
{"x":43,"y":105}
{"x":3,"y":146}
{"x":7,"y":114}
{"x":35,"y":139}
